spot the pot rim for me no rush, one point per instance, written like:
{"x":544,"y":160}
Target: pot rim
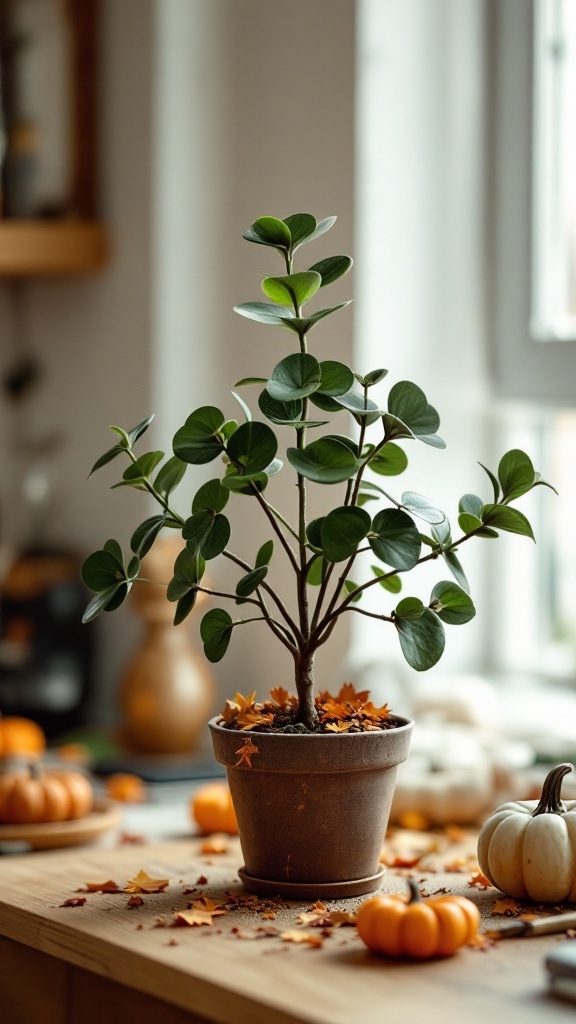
{"x":405,"y":726}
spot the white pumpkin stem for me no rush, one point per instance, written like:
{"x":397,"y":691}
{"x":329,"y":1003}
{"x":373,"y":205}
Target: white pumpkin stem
{"x":550,"y":801}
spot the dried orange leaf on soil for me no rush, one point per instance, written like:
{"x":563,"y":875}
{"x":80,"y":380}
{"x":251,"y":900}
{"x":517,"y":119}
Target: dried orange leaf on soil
{"x":109,"y":886}
{"x":208,"y":905}
{"x":253,"y":717}
{"x":349,"y":694}
{"x":333,"y":709}
{"x":374,"y":713}
{"x":506,"y":906}
{"x":214,"y":844}
{"x":229,"y":712}
{"x":144,"y":883}
{"x":246,"y":752}
{"x":338,"y":726}
{"x":74,"y":901}
{"x":192,"y":918}
{"x":135,"y":901}
{"x":283,"y":698}
{"x":311,"y":939}
{"x":245,"y":702}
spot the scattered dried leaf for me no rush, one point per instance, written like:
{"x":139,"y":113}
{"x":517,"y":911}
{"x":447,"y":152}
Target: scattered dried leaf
{"x":297,"y":935}
{"x":131,"y":839}
{"x":144,"y":883}
{"x":135,"y":901}
{"x":109,"y":886}
{"x":506,"y":906}
{"x":192,"y":918}
{"x":480,"y":881}
{"x":214,"y":844}
{"x":482,"y":942}
{"x":74,"y":901}
{"x":209,"y":906}
{"x":202,"y":880}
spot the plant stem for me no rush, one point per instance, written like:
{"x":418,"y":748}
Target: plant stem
{"x":266,"y":586}
{"x":275,"y":526}
{"x":281,"y":519}
{"x":155,"y":494}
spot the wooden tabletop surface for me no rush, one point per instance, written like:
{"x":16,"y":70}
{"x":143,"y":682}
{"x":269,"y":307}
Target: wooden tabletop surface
{"x":221,"y":972}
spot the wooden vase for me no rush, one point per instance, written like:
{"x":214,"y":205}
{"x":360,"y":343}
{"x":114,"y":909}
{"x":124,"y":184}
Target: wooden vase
{"x":166,"y":690}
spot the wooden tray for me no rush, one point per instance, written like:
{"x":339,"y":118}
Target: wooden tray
{"x":53,"y":834}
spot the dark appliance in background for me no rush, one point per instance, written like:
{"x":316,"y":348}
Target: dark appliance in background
{"x":45,"y":651}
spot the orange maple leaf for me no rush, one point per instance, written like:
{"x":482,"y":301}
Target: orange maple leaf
{"x":246,"y":752}
{"x":349,"y":694}
{"x":507,"y":906}
{"x":333,"y":709}
{"x":480,"y":880}
{"x":338,"y":726}
{"x":374,"y":714}
{"x":283,"y":698}
{"x":209,"y":906}
{"x":109,"y":886}
{"x":244,"y":703}
{"x":192,"y":918}
{"x":252,"y":717}
{"x":144,"y":883}
{"x":229,"y":712}
{"x":309,"y":938}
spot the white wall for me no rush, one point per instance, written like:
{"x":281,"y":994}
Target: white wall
{"x":214,"y":113}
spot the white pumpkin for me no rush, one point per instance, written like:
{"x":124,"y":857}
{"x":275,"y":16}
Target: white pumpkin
{"x":527,"y":848}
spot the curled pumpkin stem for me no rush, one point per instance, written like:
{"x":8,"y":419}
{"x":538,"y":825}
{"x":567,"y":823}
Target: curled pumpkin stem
{"x":550,"y":801}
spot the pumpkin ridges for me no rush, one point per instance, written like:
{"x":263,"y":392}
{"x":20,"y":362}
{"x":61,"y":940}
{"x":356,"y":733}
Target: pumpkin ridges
{"x":547,"y":858}
{"x":453,"y":925}
{"x":58,"y":796}
{"x":420,"y":931}
{"x":505,"y":855}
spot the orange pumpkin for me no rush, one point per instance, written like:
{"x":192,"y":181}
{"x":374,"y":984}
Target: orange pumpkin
{"x":213,"y":810}
{"x":419,"y":929}
{"x":126,"y":788}
{"x":20,"y":736}
{"x":36,"y":796}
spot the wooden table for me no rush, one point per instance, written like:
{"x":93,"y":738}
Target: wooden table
{"x":102,"y":963}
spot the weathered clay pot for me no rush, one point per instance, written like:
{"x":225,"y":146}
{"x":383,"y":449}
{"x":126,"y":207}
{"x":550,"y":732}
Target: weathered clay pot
{"x":313,"y":808}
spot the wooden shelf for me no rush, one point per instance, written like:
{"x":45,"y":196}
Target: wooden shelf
{"x":33,"y":248}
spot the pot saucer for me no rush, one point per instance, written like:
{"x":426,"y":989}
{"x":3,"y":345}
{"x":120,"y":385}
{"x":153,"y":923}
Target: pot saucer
{"x":312,"y":890}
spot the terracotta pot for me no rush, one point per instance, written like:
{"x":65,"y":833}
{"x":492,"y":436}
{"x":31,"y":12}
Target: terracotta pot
{"x":313,"y":809}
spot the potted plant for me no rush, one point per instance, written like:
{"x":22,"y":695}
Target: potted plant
{"x":311,"y":773}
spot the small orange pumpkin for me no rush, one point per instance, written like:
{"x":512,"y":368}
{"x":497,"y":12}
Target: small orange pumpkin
{"x":36,"y":796}
{"x":419,"y":929}
{"x":213,"y":810}
{"x":126,"y":788}
{"x":20,"y":736}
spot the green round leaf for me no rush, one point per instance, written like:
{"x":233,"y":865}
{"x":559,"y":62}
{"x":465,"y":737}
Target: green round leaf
{"x":501,"y":517}
{"x":197,"y":441}
{"x":114,"y":548}
{"x":272,"y":231}
{"x":99,"y":603}
{"x":396,"y":540}
{"x":102,"y":570}
{"x":471,"y":504}
{"x":301,"y":226}
{"x":264,"y":313}
{"x":216,"y":629}
{"x":331,"y":268}
{"x":516,"y":474}
{"x":391,"y":583}
{"x":169,"y":476}
{"x":391,"y":460}
{"x":326,"y":461}
{"x":210,"y":497}
{"x":316,"y":571}
{"x":185,"y":606}
{"x":409,"y":404}
{"x":410,"y":608}
{"x":296,"y":376}
{"x":279,"y":412}
{"x":295,"y":288}
{"x":342,"y":531}
{"x":251,"y":581}
{"x":252,"y":448}
{"x":118,"y":597}
{"x":452,"y":603}
{"x":360,"y":407}
{"x":314,"y":533}
{"x":145,"y":534}
{"x":143,"y":467}
{"x":207,"y":534}
{"x":422,"y":507}
{"x":107,"y":457}
{"x":337,"y":378}
{"x":422,"y":640}
{"x":453,"y":563}
{"x":374,"y":377}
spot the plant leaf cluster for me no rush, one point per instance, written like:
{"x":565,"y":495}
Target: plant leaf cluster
{"x":362,"y":442}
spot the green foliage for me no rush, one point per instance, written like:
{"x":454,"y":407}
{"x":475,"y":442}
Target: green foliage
{"x":324,"y":551}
